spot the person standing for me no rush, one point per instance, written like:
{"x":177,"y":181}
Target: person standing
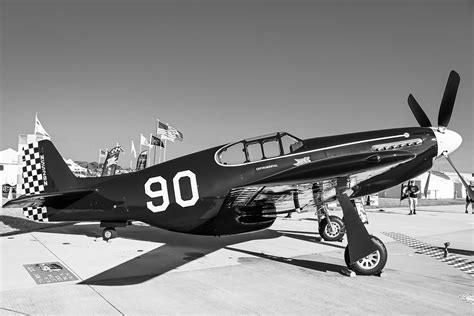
{"x":468,"y":199}
{"x":412,"y":190}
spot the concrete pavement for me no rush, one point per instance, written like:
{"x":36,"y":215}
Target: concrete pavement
{"x":283,"y":270}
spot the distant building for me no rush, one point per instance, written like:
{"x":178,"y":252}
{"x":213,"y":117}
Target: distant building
{"x":435,"y":185}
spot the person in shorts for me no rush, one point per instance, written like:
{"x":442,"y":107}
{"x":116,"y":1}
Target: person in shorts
{"x":412,"y":190}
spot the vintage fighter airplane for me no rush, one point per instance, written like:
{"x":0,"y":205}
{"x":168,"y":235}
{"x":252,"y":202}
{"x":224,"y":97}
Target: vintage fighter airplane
{"x":232,"y":189}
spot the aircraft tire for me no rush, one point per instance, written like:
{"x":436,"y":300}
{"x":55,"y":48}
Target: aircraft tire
{"x":338,"y":226}
{"x":109,"y":233}
{"x":373,"y":263}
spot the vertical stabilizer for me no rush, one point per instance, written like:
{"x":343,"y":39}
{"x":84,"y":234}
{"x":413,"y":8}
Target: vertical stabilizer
{"x":43,"y":170}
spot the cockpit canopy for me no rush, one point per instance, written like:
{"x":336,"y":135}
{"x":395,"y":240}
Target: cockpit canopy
{"x":258,"y":148}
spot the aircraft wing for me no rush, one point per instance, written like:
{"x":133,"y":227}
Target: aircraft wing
{"x":278,"y":189}
{"x":47,"y":199}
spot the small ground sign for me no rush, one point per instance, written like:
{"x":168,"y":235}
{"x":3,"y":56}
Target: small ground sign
{"x":49,"y":272}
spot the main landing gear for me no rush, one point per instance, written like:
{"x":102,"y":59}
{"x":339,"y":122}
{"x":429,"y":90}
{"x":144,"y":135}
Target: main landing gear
{"x":331,"y":227}
{"x":370,"y":264}
{"x":365,"y":254}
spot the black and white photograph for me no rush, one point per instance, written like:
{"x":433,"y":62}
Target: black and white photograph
{"x":237,"y":157}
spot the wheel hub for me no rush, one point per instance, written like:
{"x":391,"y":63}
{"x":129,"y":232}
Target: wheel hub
{"x":333,"y":229}
{"x":370,"y":261}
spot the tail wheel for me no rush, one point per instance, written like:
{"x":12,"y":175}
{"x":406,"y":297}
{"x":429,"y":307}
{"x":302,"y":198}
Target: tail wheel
{"x":109,"y":233}
{"x":333,"y":232}
{"x":371,"y":264}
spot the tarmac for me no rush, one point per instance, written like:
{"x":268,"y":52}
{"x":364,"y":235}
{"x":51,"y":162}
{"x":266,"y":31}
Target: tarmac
{"x":286,"y":269}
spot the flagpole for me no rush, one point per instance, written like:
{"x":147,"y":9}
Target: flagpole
{"x":140,"y":143}
{"x":164,"y":154}
{"x":149,"y":150}
{"x":99,"y":157}
{"x":154,"y":147}
{"x":159,"y":159}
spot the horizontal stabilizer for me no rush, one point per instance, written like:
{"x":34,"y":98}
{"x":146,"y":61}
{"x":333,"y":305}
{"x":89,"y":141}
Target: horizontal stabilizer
{"x":47,"y":199}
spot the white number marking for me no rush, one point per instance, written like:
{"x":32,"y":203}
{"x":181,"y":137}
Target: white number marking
{"x":177,"y":190}
{"x":163,"y":191}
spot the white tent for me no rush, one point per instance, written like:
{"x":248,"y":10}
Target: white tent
{"x":8,"y":166}
{"x":75,"y":168}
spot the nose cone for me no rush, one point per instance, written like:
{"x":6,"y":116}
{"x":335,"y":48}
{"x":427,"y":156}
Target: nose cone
{"x":448,"y":141}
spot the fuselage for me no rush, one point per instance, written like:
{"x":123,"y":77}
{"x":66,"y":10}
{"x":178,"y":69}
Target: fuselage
{"x":186,"y":194}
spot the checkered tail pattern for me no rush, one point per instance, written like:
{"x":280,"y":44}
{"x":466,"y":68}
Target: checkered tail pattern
{"x":34,"y":180}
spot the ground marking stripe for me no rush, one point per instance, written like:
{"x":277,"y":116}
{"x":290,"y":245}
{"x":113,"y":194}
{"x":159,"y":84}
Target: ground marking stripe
{"x":455,"y":261}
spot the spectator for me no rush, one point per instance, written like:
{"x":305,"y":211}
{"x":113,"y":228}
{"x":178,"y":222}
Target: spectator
{"x":468,"y":199}
{"x":412,"y":190}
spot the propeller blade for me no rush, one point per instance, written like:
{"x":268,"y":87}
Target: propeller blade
{"x":418,"y":112}
{"x":449,"y":96}
{"x":466,"y":186}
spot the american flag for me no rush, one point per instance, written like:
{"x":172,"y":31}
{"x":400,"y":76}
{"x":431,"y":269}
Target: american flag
{"x":168,"y":132}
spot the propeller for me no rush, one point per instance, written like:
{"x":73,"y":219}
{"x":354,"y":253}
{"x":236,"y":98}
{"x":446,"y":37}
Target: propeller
{"x":444,"y":136}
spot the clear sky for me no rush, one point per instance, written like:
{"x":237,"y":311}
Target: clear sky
{"x":101,"y":72}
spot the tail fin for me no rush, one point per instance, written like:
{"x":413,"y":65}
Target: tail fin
{"x":43,"y":170}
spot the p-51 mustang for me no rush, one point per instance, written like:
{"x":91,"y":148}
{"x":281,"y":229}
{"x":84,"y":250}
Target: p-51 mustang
{"x":232,"y":189}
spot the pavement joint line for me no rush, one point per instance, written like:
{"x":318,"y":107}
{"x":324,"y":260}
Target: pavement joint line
{"x":77,"y":275}
{"x":13,"y":311}
{"x":455,"y":261}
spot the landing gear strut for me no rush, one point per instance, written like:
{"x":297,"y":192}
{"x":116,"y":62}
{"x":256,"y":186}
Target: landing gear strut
{"x":365,"y":254}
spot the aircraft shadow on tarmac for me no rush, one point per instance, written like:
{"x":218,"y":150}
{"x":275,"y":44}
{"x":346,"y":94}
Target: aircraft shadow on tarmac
{"x":22,"y":225}
{"x":308,"y":264}
{"x":179,"y":249}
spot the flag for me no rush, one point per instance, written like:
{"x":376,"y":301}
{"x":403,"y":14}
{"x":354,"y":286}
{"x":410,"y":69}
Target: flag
{"x":141,"y":161}
{"x":155,"y":141}
{"x":144,"y":141}
{"x":39,"y":129}
{"x":102,"y":153}
{"x":162,"y":128}
{"x":110,"y":164}
{"x":133,"y":151}
{"x":168,"y":132}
